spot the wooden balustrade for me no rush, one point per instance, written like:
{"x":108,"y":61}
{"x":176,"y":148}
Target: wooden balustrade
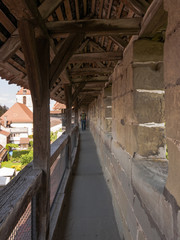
{"x":15,"y":197}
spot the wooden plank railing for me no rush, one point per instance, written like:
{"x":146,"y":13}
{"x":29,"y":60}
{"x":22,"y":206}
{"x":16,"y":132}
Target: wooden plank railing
{"x":15,"y":197}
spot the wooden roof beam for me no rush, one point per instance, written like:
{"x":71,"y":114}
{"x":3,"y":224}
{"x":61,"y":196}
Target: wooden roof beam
{"x":48,"y":7}
{"x":154,"y":20}
{"x":94,"y":57}
{"x":91,"y":71}
{"x":118,"y":41}
{"x":137,"y":6}
{"x":96,"y":27}
{"x":61,"y":59}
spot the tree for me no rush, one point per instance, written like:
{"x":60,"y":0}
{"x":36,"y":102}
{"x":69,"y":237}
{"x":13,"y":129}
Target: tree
{"x":3,"y":109}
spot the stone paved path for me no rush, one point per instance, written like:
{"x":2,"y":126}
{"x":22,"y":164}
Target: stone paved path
{"x":88,"y":214}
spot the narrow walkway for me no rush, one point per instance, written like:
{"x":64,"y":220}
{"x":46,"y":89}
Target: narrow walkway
{"x":88,"y":213}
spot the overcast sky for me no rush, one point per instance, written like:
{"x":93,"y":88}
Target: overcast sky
{"x":8,"y":94}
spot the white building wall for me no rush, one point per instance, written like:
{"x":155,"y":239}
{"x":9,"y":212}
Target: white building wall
{"x":3,"y":140}
{"x":56,"y":128}
{"x":29,"y":126}
{"x":19,"y":99}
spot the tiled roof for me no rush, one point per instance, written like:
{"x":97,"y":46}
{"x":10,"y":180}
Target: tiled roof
{"x":59,"y":106}
{"x":23,"y":91}
{"x":18,"y":113}
{"x":4,"y":133}
{"x":55,"y":121}
{"x":24,"y":140}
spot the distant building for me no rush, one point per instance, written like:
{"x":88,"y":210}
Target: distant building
{"x":59,"y":108}
{"x":4,"y":137}
{"x":18,"y":116}
{"x":24,"y":96}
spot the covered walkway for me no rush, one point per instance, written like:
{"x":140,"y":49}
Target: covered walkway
{"x":88,"y":212}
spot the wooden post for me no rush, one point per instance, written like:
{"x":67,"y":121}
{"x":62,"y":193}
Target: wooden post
{"x":36,"y":52}
{"x":76,"y":111}
{"x":68,"y":97}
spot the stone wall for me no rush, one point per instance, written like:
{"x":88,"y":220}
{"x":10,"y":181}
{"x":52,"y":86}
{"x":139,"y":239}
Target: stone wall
{"x":133,"y":152}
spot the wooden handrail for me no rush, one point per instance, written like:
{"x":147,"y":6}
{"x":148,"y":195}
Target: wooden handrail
{"x":16,"y":196}
{"x":57,"y":146}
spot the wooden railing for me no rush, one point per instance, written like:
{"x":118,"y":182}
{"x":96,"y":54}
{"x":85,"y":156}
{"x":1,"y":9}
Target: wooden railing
{"x":15,"y":197}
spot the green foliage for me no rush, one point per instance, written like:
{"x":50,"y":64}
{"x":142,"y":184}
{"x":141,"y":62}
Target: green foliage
{"x":11,"y":145}
{"x":26,"y":158}
{"x":3,"y":109}
{"x":166,"y":152}
{"x":53,"y":136}
{"x":19,"y":153}
{"x":31,"y":144}
{"x":30,"y":136}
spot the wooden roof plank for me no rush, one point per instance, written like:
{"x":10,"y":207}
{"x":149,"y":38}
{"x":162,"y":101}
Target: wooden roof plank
{"x":6,"y":22}
{"x":77,"y":9}
{"x":68,"y":10}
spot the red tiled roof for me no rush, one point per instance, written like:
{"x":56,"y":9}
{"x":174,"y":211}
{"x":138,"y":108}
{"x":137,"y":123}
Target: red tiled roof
{"x":18,"y":113}
{"x":4,"y":133}
{"x":59,"y":106}
{"x":21,"y":92}
{"x":24,"y":140}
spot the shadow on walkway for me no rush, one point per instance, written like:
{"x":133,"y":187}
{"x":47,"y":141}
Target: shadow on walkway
{"x":88,"y":212}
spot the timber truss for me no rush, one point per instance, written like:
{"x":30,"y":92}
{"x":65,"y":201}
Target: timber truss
{"x":86,"y":40}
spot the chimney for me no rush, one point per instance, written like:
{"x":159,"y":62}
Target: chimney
{"x":5,"y":121}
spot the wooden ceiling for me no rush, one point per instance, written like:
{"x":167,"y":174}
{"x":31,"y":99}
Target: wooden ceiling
{"x":87,"y":39}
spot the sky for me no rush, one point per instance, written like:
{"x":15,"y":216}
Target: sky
{"x":8,"y":94}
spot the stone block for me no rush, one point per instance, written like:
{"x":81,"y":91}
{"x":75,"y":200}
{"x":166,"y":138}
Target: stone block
{"x":141,"y":236}
{"x":122,"y":157}
{"x":172,"y":113}
{"x":172,"y":56}
{"x":148,"y":76}
{"x":178,"y":225}
{"x":108,"y":101}
{"x":147,"y":185}
{"x":108,"y":112}
{"x":174,"y":166}
{"x":149,"y":107}
{"x":147,"y":50}
{"x":108,"y":125}
{"x":151,"y":141}
{"x":150,"y":231}
{"x":107,"y":91}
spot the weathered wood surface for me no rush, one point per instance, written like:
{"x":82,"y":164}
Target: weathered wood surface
{"x":77,"y":91}
{"x":139,"y":7}
{"x":57,"y":146}
{"x":68,"y":99}
{"x":128,"y":26}
{"x":154,"y":20}
{"x":15,"y":197}
{"x":61,"y":59}
{"x":48,"y":7}
{"x":27,"y":35}
{"x":118,"y":40}
{"x":94,"y":57}
{"x":91,"y":71}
